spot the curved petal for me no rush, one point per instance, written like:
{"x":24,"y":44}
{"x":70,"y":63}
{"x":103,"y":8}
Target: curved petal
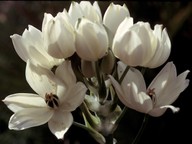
{"x":74,"y":97}
{"x":163,"y":49}
{"x":158,"y":111}
{"x":19,"y":101}
{"x":75,"y":12}
{"x":29,"y":117}
{"x":168,"y":73}
{"x":41,"y":80}
{"x":91,"y":40}
{"x":138,"y":100}
{"x":65,"y":73}
{"x":19,"y":47}
{"x":91,"y":12}
{"x":173,"y":89}
{"x":133,"y":75}
{"x":127,"y":45}
{"x":60,"y":123}
{"x":114,"y":15}
{"x":117,"y":87}
{"x":59,"y":36}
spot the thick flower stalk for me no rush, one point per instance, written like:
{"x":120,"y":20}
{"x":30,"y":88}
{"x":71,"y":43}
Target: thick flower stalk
{"x":160,"y":94}
{"x":57,"y":95}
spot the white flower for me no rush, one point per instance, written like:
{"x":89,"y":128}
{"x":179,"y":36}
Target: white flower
{"x":85,"y":9}
{"x":30,"y":46}
{"x":57,"y":95}
{"x":91,"y":40}
{"x":160,"y":94}
{"x":113,"y":16}
{"x":139,"y":45}
{"x":59,"y":35}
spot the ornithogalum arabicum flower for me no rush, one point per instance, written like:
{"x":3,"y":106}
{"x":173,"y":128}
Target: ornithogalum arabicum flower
{"x":113,"y":16}
{"x":91,"y":40}
{"x":85,"y":9}
{"x":139,"y":45}
{"x":59,"y":35}
{"x":31,"y":46}
{"x":160,"y":94}
{"x":57,"y":95}
{"x":92,"y":61}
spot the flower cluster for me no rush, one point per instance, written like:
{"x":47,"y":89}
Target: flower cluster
{"x":80,"y":59}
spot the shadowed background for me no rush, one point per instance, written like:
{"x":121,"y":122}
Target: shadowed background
{"x":169,"y":128}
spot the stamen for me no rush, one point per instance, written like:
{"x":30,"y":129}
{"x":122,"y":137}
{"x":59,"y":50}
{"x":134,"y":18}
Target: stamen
{"x":52,"y":100}
{"x":152,"y":94}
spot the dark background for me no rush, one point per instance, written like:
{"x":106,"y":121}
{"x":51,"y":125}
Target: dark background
{"x":15,"y":16}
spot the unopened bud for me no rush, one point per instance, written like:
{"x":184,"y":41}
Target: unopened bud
{"x":87,"y":68}
{"x":108,"y":62}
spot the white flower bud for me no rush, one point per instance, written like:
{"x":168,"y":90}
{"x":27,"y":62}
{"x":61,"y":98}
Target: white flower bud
{"x":59,"y":35}
{"x":139,"y":45}
{"x":91,"y":40}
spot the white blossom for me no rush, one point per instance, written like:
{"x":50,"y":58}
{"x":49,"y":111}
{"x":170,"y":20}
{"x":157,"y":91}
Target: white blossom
{"x":30,"y":46}
{"x":59,"y":35}
{"x":160,"y":94}
{"x":57,"y":95}
{"x":139,"y":45}
{"x":91,"y":40}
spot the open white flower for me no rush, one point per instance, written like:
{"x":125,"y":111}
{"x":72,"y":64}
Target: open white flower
{"x":139,"y":45}
{"x":160,"y":94}
{"x":57,"y":95}
{"x":30,"y":46}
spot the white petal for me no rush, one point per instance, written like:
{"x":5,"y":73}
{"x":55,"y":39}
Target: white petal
{"x":160,"y":81}
{"x":91,"y":12}
{"x":74,"y":97}
{"x":119,"y":91}
{"x":16,"y":102}
{"x":98,"y":10}
{"x":59,"y":36}
{"x":138,"y":100}
{"x":41,"y":80}
{"x":91,"y":40}
{"x":19,"y":47}
{"x":133,"y":75}
{"x":65,"y":73}
{"x":33,"y":41}
{"x":163,"y":49}
{"x":60,"y":123}
{"x":173,"y":89}
{"x":29,"y":117}
{"x":75,"y":12}
{"x":127,"y":45}
{"x":114,"y":15}
{"x":156,"y":112}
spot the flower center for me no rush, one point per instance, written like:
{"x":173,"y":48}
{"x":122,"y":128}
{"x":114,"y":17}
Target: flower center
{"x":152,"y":94}
{"x":52,"y":100}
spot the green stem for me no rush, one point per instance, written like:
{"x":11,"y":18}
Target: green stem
{"x":121,"y":115}
{"x":98,"y":73}
{"x":109,"y":139}
{"x":80,"y":125}
{"x":140,"y":132}
{"x":124,"y":73}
